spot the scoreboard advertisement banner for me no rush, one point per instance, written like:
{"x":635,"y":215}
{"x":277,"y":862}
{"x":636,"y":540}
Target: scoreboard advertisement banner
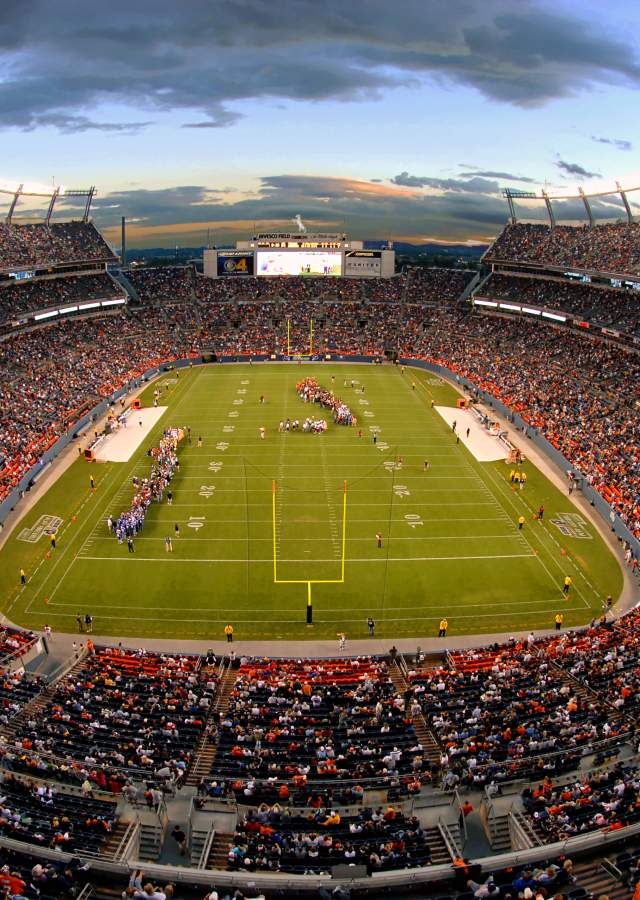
{"x":235,"y":262}
{"x":363,"y":262}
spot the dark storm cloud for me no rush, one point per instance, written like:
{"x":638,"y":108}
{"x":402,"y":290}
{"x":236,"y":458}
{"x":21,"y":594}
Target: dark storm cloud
{"x":204,"y":59}
{"x":368,"y":209}
{"x":506,"y":176}
{"x":575,"y":169}
{"x":471,"y":185}
{"x":615,"y":142}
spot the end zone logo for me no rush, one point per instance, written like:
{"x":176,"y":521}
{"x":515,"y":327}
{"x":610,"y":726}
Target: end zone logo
{"x":44,"y":525}
{"x":571,"y":525}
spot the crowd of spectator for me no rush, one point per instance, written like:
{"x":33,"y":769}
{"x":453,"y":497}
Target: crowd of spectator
{"x":605,"y":800}
{"x":39,"y":246}
{"x":274,"y":840}
{"x":292,"y":726}
{"x":618,"y":309}
{"x":164,"y":284}
{"x":580,"y":392}
{"x":506,"y":713}
{"x":19,"y":299}
{"x":40,"y":814}
{"x":606,"y":660}
{"x":611,"y":248}
{"x":20,"y":877}
{"x":138,"y":711}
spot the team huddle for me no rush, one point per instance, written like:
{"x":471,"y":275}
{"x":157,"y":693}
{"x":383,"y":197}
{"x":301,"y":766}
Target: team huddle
{"x":311,"y":392}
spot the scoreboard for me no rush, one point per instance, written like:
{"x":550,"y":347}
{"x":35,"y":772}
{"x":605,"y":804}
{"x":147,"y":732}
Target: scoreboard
{"x":282,"y":254}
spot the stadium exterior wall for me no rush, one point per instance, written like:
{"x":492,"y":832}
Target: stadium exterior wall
{"x":613,"y":521}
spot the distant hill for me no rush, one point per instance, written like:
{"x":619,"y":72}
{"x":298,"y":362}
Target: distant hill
{"x":429,"y":252}
{"x":407,"y":249}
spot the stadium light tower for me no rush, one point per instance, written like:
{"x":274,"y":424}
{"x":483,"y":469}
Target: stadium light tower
{"x":510,"y":194}
{"x":626,"y":203}
{"x":587,"y":206}
{"x":14,"y":203}
{"x":53,"y":196}
{"x":547,"y":203}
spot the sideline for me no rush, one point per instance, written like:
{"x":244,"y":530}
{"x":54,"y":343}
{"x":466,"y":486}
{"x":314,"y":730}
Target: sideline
{"x":628,"y":597}
{"x":60,"y":464}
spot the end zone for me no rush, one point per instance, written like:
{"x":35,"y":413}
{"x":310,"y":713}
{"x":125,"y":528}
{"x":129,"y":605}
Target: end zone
{"x":122,"y":444}
{"x":485,"y":447}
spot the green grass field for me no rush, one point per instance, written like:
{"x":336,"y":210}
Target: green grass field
{"x":451,"y":542}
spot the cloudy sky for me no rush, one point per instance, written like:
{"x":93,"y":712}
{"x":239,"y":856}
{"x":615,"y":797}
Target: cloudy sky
{"x":400,"y":120}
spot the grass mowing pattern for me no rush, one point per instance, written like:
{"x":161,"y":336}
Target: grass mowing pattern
{"x":451,"y":542}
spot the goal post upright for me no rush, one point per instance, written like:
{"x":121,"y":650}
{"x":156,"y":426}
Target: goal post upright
{"x":308,"y":581}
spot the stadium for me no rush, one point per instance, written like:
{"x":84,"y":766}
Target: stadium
{"x":318,"y":577}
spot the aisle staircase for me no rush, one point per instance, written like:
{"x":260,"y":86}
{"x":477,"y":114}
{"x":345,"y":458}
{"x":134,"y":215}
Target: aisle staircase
{"x":33,"y":709}
{"x":219,"y":853}
{"x":207,"y":745}
{"x":422,"y":730}
{"x":598,"y":882}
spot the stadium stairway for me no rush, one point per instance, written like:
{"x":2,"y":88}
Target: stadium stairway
{"x":425,"y":736}
{"x":115,"y":838}
{"x":206,"y":748}
{"x":598,"y":882}
{"x":219,"y":853}
{"x":122,"y":280}
{"x":587,"y":695}
{"x":34,"y":708}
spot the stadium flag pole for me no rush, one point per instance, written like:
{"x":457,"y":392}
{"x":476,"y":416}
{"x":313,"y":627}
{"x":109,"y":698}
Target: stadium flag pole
{"x":310,"y":337}
{"x":273,"y":507}
{"x":309,"y":605}
{"x":288,"y":337}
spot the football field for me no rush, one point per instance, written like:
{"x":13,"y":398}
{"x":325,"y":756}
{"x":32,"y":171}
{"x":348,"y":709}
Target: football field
{"x":264,"y":524}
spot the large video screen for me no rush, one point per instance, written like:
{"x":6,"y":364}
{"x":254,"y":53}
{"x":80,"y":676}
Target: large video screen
{"x":303,"y":262}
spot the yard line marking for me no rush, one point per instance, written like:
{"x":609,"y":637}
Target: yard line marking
{"x":116,"y":471}
{"x":318,"y":540}
{"x":211,"y":617}
{"x":378,"y":559}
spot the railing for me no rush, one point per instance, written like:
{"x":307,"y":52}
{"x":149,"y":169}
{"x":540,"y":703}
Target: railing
{"x":453,"y":846}
{"x":463,"y":818}
{"x":87,"y":892}
{"x":521,"y":833}
{"x":129,"y":842}
{"x":206,"y":849}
